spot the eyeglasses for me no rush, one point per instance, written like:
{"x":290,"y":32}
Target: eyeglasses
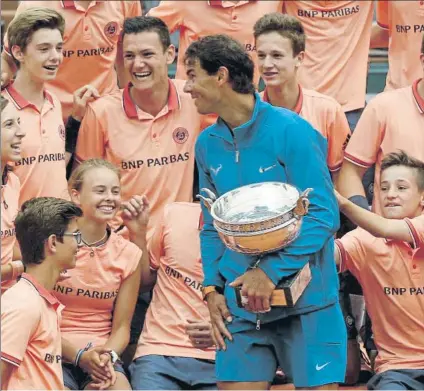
{"x":77,"y":235}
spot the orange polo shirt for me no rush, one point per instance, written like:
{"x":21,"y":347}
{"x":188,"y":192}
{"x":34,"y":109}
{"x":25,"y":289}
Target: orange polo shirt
{"x":30,"y":336}
{"x":9,"y":210}
{"x":337,"y":44}
{"x":177,"y":296}
{"x":155,"y":154}
{"x":89,"y":294}
{"x":196,"y":19}
{"x":89,"y":45}
{"x":326,"y":116}
{"x":391,"y":274}
{"x":393,"y":120}
{"x":405,"y":22}
{"x":42,"y":169}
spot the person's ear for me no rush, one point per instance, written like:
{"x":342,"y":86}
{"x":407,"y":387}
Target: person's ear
{"x":51,"y":245}
{"x":299,"y":59}
{"x":170,"y":54}
{"x":17,"y":53}
{"x":223,"y":75}
{"x":75,"y":196}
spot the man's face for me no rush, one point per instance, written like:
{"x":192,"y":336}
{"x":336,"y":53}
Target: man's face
{"x":42,"y":56}
{"x":68,"y":248}
{"x":399,"y":195}
{"x":203,"y":88}
{"x":277,"y":63}
{"x":145,"y":59}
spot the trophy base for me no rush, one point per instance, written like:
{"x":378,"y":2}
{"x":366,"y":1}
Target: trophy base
{"x":287,"y":292}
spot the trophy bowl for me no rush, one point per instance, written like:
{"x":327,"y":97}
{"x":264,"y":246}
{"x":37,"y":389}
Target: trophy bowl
{"x":258,"y":218}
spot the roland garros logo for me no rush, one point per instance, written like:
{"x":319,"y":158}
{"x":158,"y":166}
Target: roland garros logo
{"x":62,"y":132}
{"x":180,"y":135}
{"x":111,"y":29}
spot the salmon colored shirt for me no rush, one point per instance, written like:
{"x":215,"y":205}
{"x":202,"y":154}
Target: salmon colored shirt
{"x":9,"y":210}
{"x":391,"y":274}
{"x":89,"y":294}
{"x":90,"y":42}
{"x":30,"y":336}
{"x":155,"y":154}
{"x":42,"y":169}
{"x":393,"y":120}
{"x":175,"y":254}
{"x":405,"y":23}
{"x":326,"y":116}
{"x":196,"y":19}
{"x":337,"y":44}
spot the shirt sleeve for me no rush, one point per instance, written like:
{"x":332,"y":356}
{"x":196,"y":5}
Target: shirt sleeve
{"x":171,"y":12}
{"x":416,"y":227}
{"x":338,"y":135}
{"x":211,"y":246}
{"x":91,"y":137}
{"x":364,"y":145}
{"x":302,"y":146}
{"x":156,"y":245}
{"x":353,"y":252}
{"x":19,"y":322}
{"x":382,"y":9}
{"x":132,"y":255}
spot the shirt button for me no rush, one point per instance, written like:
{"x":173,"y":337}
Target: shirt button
{"x":154,"y":135}
{"x":414,"y":266}
{"x":235,"y":17}
{"x":43,"y":131}
{"x":86,"y":28}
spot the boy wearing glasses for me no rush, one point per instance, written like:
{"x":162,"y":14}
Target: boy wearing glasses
{"x":47,"y":233}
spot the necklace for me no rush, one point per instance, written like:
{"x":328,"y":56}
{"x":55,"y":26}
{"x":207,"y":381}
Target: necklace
{"x":97,"y":243}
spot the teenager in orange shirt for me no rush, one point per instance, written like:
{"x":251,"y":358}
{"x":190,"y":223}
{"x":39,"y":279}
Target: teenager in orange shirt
{"x":280,"y":44}
{"x":100,"y":293}
{"x":48,"y":235}
{"x":11,"y":140}
{"x":386,"y":255}
{"x":399,"y":26}
{"x":90,"y":46}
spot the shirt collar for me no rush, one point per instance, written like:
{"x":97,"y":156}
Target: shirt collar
{"x":220,"y":3}
{"x":20,"y":102}
{"x":131,"y":109}
{"x":71,"y":3}
{"x":43,"y":292}
{"x":419,"y":100}
{"x":299,"y":104}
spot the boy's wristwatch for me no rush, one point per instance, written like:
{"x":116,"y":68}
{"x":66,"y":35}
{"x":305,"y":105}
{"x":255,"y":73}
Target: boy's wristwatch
{"x":113,"y":356}
{"x":211,"y":288}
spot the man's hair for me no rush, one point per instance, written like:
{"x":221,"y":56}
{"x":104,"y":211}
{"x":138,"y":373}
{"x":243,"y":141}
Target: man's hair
{"x":287,"y":26}
{"x":77,"y":178}
{"x":3,"y":102}
{"x":141,"y":24}
{"x":401,"y":158}
{"x":38,"y":219}
{"x":215,"y":51}
{"x":22,"y":28}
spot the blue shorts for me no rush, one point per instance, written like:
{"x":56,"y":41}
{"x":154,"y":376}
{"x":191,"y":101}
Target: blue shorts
{"x":399,"y":379}
{"x":311,"y":349}
{"x":155,"y":372}
{"x":75,"y":378}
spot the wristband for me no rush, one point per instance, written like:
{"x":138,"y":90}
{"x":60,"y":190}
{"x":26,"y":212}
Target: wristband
{"x":71,"y":129}
{"x":17,"y":269}
{"x":80,"y":352}
{"x":360,"y":201}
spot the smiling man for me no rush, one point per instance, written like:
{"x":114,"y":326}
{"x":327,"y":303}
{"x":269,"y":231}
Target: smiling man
{"x":31,"y":346}
{"x":254,"y":142}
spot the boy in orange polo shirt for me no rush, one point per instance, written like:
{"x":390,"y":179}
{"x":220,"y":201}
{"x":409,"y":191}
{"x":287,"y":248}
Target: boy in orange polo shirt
{"x":337,"y":45}
{"x":35,"y":40}
{"x":386,"y":256}
{"x":400,"y":27}
{"x":89,"y":47}
{"x":280,"y":43}
{"x":392,"y":120}
{"x":31,"y":350}
{"x":196,"y":19}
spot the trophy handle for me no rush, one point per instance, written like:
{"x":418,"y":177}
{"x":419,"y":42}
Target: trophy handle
{"x":302,"y":206}
{"x":208,"y":201}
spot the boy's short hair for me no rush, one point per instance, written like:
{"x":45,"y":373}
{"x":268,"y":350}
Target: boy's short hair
{"x":401,"y":158}
{"x":25,"y":24}
{"x":215,"y":51}
{"x":38,"y":219}
{"x":141,"y":24}
{"x":287,"y":26}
